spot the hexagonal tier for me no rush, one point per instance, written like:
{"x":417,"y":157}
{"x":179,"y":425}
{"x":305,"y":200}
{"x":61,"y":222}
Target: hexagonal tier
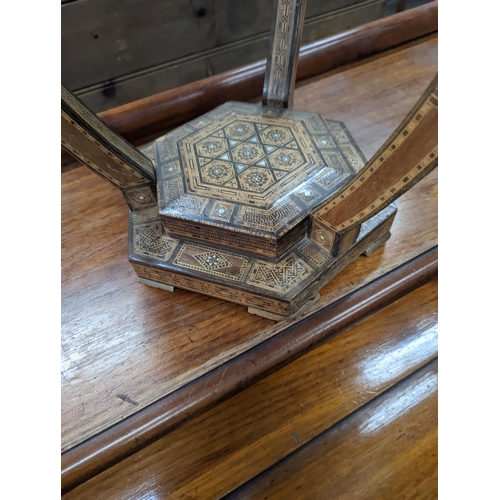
{"x":246,"y":176}
{"x":280,"y":287}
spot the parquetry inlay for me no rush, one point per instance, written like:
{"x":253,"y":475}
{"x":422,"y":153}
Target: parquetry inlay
{"x":251,"y":169}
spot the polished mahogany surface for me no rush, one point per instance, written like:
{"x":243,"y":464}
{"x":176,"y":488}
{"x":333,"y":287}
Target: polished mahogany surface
{"x":387,"y":450}
{"x":126,"y":345}
{"x":351,"y":375}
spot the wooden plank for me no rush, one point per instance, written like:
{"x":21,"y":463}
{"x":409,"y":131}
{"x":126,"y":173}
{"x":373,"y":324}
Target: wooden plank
{"x":171,"y":340}
{"x":237,"y":19}
{"x":173,"y":73}
{"x":232,"y":443}
{"x":139,"y":430}
{"x":316,"y":28}
{"x":152,"y":116}
{"x":105,"y":40}
{"x":141,"y":84}
{"x":113,"y":54}
{"x":387,"y":450}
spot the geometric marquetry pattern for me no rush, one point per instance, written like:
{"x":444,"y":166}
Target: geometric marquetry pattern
{"x":140,"y":197}
{"x":280,"y":277}
{"x":281,"y":66}
{"x":123,"y":177}
{"x":408,"y":155}
{"x":314,"y":253}
{"x":220,"y":273}
{"x":251,"y":169}
{"x":110,"y":137}
{"x":212,"y":289}
{"x":258,"y":218}
{"x":322,"y":235}
{"x":212,"y":260}
{"x":346,"y":143}
{"x":149,"y":241}
{"x":248,"y":157}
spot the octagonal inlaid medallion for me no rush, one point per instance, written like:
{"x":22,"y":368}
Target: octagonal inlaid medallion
{"x":255,"y":171}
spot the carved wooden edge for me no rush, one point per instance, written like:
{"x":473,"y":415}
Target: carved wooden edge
{"x":122,"y":440}
{"x":89,"y":140}
{"x":405,"y":158}
{"x":148,"y":118}
{"x":281,"y":67}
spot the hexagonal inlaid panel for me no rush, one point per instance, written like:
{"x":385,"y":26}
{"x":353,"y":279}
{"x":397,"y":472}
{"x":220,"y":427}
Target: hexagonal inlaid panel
{"x":212,"y":147}
{"x":256,"y":179}
{"x":247,"y":153}
{"x":269,"y":157}
{"x":217,"y":172}
{"x":250,"y":169}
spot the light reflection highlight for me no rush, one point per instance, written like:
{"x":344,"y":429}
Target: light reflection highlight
{"x":149,"y":495}
{"x":382,"y":368}
{"x":400,"y":405}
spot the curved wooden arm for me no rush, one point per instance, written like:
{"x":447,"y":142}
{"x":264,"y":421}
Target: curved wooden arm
{"x":90,"y":141}
{"x":281,"y":68}
{"x":409,"y":154}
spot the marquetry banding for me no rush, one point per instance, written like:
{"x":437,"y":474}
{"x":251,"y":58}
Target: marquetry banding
{"x":406,"y":157}
{"x":130,"y":178}
{"x":90,"y":141}
{"x":281,"y":70}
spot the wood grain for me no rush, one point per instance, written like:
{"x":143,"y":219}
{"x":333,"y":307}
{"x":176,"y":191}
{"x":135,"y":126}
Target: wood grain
{"x":114,"y":38}
{"x":236,"y":50}
{"x":150,"y":117}
{"x":408,"y":155}
{"x":387,"y":450}
{"x":414,"y":139}
{"x":240,"y":438}
{"x":87,"y":226}
{"x":124,"y":343}
{"x":144,"y":427}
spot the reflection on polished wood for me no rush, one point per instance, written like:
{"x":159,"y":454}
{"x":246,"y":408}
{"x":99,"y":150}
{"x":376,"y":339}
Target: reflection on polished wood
{"x":126,"y":346}
{"x":232,"y":443}
{"x":387,"y":450}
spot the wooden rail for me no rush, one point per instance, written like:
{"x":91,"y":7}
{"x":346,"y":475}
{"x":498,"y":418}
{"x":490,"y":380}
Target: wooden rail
{"x":150,"y":117}
{"x":113,"y":445}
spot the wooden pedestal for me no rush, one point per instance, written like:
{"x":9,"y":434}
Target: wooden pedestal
{"x":271,"y":289}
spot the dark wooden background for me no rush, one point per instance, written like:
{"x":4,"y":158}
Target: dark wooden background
{"x":117,"y":51}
